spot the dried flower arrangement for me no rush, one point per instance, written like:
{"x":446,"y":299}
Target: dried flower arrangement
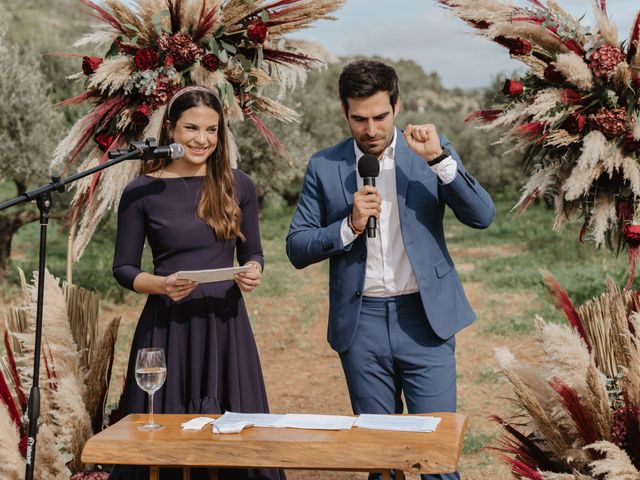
{"x":74,"y":381}
{"x":580,"y":409}
{"x":574,"y":112}
{"x":234,"y":47}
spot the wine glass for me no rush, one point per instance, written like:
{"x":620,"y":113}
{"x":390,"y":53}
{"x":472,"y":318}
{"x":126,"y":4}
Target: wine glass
{"x":151,"y":371}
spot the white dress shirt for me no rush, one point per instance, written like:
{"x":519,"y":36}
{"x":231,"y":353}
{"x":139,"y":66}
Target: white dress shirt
{"x":389,"y":272}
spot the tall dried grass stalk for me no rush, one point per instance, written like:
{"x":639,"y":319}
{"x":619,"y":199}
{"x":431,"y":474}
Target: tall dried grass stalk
{"x":616,"y":464}
{"x":12,"y":464}
{"x":50,"y":464}
{"x":99,"y":374}
{"x":82,"y":309}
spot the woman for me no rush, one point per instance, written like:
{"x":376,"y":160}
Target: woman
{"x":195,"y":213}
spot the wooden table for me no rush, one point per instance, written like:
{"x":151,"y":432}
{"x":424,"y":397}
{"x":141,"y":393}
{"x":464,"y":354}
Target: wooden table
{"x":352,"y":450}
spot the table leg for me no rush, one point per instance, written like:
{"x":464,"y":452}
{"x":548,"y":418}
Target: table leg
{"x":400,"y":475}
{"x":386,"y":475}
{"x":154,"y":473}
{"x":213,"y":473}
{"x":186,"y":473}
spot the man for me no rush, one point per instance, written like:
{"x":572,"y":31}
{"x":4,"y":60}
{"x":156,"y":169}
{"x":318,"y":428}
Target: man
{"x":395,"y":300}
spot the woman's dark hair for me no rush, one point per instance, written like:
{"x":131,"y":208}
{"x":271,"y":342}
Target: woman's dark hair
{"x":365,"y":78}
{"x":217,"y":206}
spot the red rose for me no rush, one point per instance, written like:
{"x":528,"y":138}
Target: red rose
{"x":570,"y":96}
{"x":257,"y":30}
{"x":125,"y":47}
{"x":552,"y":74}
{"x":574,"y":46}
{"x":520,"y":46}
{"x":211,"y":62}
{"x":512,"y":88}
{"x":575,"y":123}
{"x":146,"y":58}
{"x":90,"y":65}
{"x":630,"y":144}
{"x":104,"y":141}
{"x":140,"y":116}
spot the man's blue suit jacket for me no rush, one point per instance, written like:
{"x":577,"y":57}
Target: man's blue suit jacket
{"x":326,"y":200}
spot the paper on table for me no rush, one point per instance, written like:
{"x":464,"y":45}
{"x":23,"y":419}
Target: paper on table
{"x":235,"y":427}
{"x":257,"y":419}
{"x":213,"y":275}
{"x":405,"y":423}
{"x":315,"y":422}
{"x":196,"y":423}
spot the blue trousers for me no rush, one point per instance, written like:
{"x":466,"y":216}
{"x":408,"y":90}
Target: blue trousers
{"x":395,"y":352}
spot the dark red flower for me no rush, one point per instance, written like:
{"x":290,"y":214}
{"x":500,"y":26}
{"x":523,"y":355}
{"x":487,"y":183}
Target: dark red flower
{"x":552,"y":74}
{"x":140,"y":116}
{"x":90,"y":65}
{"x":104,"y":141}
{"x":125,"y":47}
{"x":630,"y":144}
{"x":574,"y":46}
{"x":575,"y":123}
{"x":516,"y":46}
{"x":211,"y":62}
{"x":520,"y":46}
{"x":512,"y":88}
{"x":570,"y":96}
{"x":480,"y":24}
{"x":257,"y":30}
{"x":180,"y":47}
{"x":146,"y":58}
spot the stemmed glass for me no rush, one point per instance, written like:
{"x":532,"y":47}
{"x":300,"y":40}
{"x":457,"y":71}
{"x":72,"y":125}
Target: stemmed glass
{"x":151,"y":372}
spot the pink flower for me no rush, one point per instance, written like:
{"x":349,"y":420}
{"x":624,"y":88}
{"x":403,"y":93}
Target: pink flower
{"x":90,"y":65}
{"x":165,"y":88}
{"x":612,"y":123}
{"x":211,"y":62}
{"x":257,"y":31}
{"x":512,"y":88}
{"x":140,"y":116}
{"x":605,"y":60}
{"x":146,"y":58}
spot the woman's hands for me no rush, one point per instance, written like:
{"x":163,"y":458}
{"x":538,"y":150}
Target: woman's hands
{"x":177,"y":289}
{"x":248,"y":281}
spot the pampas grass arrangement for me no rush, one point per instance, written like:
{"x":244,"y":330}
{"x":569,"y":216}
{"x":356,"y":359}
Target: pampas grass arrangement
{"x":579,"y":411}
{"x":74,"y":379}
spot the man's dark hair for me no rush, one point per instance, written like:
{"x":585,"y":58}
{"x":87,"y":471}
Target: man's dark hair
{"x":365,"y":78}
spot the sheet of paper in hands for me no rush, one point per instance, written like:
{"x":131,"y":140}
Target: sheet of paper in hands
{"x":213,"y":275}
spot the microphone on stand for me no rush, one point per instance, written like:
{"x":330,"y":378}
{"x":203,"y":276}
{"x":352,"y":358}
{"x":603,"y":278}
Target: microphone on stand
{"x":150,"y":150}
{"x":369,"y":169}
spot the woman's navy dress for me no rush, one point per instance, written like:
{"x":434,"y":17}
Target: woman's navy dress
{"x":212,"y":359}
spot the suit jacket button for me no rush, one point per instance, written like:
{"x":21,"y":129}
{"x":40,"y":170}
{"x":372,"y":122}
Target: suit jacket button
{"x":363,"y":257}
{"x":358,"y":293}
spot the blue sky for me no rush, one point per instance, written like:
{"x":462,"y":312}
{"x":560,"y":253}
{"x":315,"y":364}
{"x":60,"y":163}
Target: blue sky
{"x":421,"y":31}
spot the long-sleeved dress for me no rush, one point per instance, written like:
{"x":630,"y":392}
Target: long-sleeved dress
{"x":212,"y":359}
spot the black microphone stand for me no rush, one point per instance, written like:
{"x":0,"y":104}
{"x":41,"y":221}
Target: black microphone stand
{"x":44,"y":200}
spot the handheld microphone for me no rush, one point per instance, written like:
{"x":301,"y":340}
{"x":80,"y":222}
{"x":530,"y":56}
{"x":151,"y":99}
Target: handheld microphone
{"x":150,"y":150}
{"x":368,"y":169}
